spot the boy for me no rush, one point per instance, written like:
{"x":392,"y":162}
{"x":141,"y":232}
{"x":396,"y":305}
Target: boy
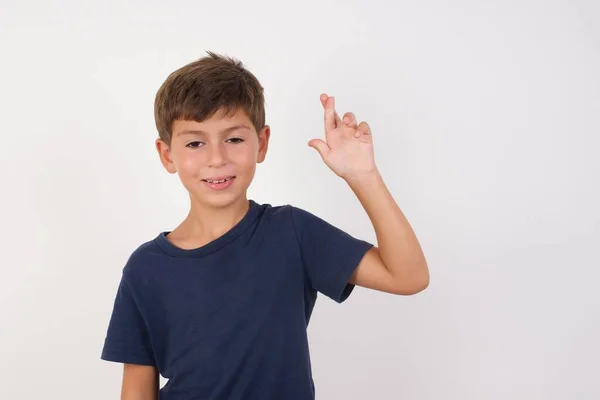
{"x":220,"y":305}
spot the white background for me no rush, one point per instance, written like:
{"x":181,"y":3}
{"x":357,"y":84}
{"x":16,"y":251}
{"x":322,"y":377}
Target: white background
{"x":485,"y":117}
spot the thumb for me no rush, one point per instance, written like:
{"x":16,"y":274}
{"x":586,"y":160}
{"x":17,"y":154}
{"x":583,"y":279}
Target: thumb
{"x":320,"y":146}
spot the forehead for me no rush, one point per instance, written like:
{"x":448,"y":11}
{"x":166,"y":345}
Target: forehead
{"x":217,"y":123}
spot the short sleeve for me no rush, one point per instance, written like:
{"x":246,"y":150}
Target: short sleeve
{"x":329,"y":254}
{"x":127,"y":340}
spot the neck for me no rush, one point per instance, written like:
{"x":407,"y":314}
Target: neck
{"x":205,"y":223}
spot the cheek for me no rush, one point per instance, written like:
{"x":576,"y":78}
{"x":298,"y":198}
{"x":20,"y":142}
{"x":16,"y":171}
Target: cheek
{"x":248,"y":160}
{"x":189,"y":164}
{"x":245,"y":157}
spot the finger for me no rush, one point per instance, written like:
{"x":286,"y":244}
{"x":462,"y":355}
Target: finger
{"x":323,"y":99}
{"x":328,"y":103}
{"x":320,"y":146}
{"x":338,"y":120}
{"x":364,"y":128}
{"x":349,"y":120}
{"x":330,"y":114}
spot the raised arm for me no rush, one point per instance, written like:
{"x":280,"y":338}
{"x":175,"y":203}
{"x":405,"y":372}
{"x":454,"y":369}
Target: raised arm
{"x":397,"y":265}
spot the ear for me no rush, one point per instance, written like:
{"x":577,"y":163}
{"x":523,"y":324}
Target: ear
{"x":164,"y":152}
{"x":263,"y":143}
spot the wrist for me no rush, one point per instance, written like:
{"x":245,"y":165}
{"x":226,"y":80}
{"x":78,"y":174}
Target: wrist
{"x":365,"y":178}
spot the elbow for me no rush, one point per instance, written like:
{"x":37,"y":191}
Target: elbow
{"x":413,"y":283}
{"x":422,"y":284}
{"x":412,"y":288}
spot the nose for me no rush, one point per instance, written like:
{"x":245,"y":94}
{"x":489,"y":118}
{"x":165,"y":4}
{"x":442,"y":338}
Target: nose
{"x":217,"y":155}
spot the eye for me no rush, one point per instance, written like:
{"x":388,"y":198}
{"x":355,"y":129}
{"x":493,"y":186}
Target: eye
{"x":235,"y":140}
{"x":194,"y":145}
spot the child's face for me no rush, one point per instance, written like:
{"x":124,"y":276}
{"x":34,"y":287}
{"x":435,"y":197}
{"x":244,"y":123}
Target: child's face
{"x":215,"y":159}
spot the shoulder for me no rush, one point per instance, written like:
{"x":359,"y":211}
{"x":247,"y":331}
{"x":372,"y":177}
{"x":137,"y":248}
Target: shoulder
{"x":274,"y":211}
{"x":305,"y":226}
{"x":289,"y":215}
{"x":304,"y":220}
{"x":275,"y":215}
{"x":288,"y":222}
{"x":140,"y":260}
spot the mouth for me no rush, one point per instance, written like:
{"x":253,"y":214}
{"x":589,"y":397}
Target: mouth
{"x":219,"y":179}
{"x":219,"y":182}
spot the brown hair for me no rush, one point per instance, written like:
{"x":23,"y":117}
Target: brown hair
{"x":199,"y":89}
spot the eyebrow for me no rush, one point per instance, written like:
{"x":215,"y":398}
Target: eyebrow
{"x":200,"y":132}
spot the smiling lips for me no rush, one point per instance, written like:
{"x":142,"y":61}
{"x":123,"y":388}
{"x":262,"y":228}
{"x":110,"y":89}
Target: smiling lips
{"x":219,"y":182}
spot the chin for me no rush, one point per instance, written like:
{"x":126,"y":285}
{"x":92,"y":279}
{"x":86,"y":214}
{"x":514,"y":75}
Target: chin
{"x":225,"y":201}
{"x":220,"y":200}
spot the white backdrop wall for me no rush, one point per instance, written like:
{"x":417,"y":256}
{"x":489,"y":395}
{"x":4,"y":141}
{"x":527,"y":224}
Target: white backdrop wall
{"x":486,"y":124}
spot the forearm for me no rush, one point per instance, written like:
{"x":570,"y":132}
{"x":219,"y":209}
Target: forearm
{"x":398,"y":245}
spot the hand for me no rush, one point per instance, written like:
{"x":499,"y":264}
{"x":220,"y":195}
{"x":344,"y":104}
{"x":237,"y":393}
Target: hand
{"x":348,"y":147}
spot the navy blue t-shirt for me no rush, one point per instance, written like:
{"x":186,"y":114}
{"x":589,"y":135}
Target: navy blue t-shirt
{"x":228,"y":320}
